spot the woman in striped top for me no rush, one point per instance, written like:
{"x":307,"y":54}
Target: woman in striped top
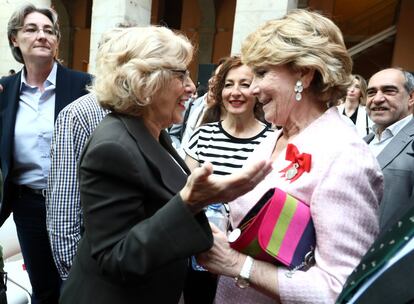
{"x":228,"y":143}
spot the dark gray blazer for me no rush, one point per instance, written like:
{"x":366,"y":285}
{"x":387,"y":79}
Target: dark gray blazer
{"x":394,"y":285}
{"x":70,"y":85}
{"x":397,"y":164}
{"x":138,"y":232}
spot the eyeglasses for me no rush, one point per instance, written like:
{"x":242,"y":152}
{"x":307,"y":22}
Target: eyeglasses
{"x":183,"y":74}
{"x":33,"y":30}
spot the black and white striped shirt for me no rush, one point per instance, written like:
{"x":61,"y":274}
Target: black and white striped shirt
{"x":227,"y":153}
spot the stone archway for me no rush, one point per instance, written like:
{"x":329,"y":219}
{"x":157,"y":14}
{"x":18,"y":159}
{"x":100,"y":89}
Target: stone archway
{"x":75,"y":24}
{"x":65,"y":45}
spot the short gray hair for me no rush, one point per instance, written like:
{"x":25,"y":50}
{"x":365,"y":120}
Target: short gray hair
{"x":409,"y":81}
{"x":16,"y":22}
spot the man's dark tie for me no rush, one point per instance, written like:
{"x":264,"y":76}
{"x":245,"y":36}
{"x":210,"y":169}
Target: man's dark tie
{"x":186,"y":114}
{"x":380,"y":252}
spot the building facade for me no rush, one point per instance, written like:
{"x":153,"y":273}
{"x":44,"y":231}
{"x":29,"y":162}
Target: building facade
{"x":377,"y":32}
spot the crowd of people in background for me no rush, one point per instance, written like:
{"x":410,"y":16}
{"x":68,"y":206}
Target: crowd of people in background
{"x":114,"y":180}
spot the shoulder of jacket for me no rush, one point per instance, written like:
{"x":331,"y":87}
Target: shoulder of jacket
{"x":74,"y":72}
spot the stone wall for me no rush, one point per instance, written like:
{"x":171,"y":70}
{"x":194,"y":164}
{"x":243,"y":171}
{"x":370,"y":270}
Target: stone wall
{"x":107,"y":14}
{"x":250,"y":14}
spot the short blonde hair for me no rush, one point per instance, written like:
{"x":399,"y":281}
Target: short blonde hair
{"x":133,"y":64}
{"x":303,"y":40}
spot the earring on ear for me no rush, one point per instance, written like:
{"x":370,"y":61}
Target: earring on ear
{"x":298,"y":90}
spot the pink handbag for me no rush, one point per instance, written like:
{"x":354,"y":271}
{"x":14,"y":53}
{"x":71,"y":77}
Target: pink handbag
{"x":278,"y":229}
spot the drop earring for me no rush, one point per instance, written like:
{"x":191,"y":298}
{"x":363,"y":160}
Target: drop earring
{"x":298,"y":90}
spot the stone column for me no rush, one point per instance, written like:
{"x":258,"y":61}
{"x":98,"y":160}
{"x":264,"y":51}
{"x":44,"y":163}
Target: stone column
{"x":404,"y":44}
{"x":107,"y":14}
{"x":7,"y":7}
{"x":206,"y":31}
{"x":250,"y":14}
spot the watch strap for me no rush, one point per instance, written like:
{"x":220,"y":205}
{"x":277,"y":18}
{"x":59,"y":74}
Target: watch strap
{"x":247,"y":268}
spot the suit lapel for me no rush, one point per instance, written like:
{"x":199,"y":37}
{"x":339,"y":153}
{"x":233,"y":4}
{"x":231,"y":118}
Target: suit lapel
{"x":397,"y":144}
{"x":11,"y":98}
{"x":157,"y":153}
{"x":165,"y":141}
{"x":392,"y":285}
{"x":63,"y":85}
{"x":369,"y":138}
{"x":384,"y":247}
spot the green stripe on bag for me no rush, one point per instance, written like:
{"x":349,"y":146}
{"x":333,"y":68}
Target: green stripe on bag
{"x":282,"y":225}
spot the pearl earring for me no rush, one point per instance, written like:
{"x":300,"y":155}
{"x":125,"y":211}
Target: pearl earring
{"x":298,"y":90}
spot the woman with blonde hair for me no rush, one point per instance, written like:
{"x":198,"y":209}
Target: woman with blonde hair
{"x":354,"y":105}
{"x":301,"y":69}
{"x":142,"y":217}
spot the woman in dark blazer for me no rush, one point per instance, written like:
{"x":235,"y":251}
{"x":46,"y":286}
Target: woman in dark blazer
{"x":29,"y":103}
{"x":142,"y":216}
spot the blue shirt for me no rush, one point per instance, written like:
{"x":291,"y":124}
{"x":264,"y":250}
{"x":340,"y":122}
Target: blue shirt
{"x":33,"y":132}
{"x":380,"y":141}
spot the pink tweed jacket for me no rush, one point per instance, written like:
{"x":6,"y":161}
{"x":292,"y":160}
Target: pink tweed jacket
{"x":343,"y":189}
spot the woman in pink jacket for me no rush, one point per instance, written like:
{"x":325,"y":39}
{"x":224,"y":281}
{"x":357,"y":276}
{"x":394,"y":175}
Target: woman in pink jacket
{"x":301,"y":69}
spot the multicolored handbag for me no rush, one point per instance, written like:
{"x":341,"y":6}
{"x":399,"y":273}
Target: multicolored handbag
{"x":278,"y":229}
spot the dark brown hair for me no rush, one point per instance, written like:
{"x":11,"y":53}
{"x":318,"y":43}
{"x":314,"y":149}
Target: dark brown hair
{"x":213,"y":113}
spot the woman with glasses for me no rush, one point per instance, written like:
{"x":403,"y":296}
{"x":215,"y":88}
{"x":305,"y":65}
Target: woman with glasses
{"x":142,"y":217}
{"x":29,"y":103}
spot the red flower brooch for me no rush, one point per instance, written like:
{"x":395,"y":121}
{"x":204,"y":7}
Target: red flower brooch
{"x":301,"y":162}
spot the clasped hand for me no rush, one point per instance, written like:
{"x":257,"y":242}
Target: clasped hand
{"x":221,"y":258}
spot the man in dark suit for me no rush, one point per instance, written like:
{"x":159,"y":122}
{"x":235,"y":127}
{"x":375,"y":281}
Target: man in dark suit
{"x":29,"y":103}
{"x":386,"y":273}
{"x":390,"y":105}
{"x":3,"y":299}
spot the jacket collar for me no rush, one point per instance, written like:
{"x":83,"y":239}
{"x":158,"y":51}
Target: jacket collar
{"x":397,"y":144}
{"x":63,"y":87}
{"x":10,"y":100}
{"x":159,"y":154}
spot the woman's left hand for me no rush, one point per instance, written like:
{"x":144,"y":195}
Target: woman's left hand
{"x":221,"y":258}
{"x":204,"y":188}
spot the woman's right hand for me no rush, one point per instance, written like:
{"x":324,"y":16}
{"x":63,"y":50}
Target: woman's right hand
{"x":203,"y":188}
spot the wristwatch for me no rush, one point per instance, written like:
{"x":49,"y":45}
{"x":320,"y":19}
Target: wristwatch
{"x":242,"y":280}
